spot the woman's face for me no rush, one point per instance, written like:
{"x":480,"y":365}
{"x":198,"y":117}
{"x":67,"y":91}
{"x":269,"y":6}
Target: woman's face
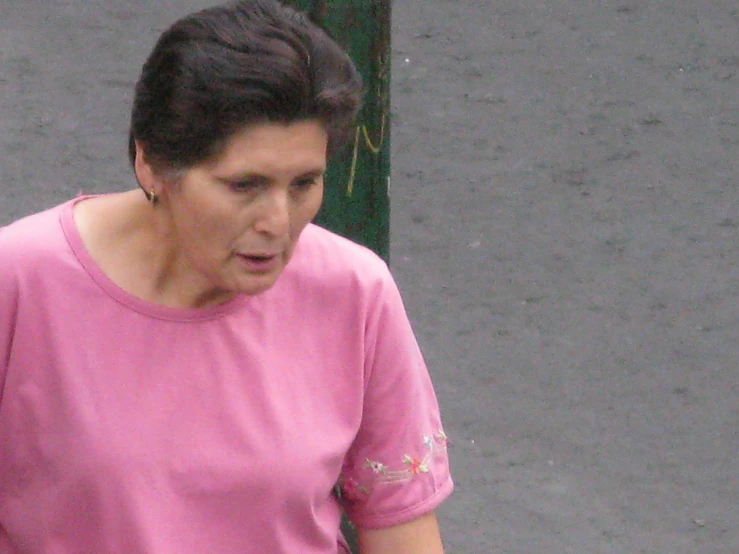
{"x":236,"y":220}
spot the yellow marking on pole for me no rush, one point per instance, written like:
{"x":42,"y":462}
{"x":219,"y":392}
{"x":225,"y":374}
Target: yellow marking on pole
{"x":353,"y":168}
{"x":363,"y":130}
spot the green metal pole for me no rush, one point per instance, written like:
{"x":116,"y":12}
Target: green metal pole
{"x":357,"y":203}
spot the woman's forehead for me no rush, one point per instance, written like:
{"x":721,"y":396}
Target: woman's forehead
{"x":274,"y":148}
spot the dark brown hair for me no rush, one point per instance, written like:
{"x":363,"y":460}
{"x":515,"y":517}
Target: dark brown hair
{"x":219,"y":70}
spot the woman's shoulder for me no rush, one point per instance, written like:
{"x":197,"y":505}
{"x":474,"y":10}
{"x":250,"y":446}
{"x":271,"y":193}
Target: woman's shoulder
{"x":331,"y":256}
{"x":32,"y":237}
{"x":330,"y":268}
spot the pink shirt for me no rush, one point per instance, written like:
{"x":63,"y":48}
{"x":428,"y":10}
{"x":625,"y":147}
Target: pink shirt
{"x":131,"y":428}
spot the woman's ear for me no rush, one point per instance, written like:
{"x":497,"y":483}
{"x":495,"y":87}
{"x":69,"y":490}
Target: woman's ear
{"x":145,"y":174}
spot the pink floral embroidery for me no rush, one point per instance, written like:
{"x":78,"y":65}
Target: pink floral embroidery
{"x":415,"y":466}
{"x":382,"y":474}
{"x":352,"y":490}
{"x":376,"y":467}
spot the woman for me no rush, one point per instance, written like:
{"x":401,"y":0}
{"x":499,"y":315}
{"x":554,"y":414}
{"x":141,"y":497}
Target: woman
{"x":192,"y":369}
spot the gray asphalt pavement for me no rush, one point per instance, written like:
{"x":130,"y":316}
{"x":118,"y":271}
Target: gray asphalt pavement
{"x":565,"y":218}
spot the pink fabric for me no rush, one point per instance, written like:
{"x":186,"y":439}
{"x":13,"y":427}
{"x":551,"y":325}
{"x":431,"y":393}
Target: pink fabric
{"x":132,"y":428}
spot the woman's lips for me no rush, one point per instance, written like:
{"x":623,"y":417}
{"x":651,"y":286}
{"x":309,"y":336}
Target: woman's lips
{"x":259,"y":262}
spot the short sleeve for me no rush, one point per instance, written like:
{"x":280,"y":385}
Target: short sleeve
{"x":8,"y":309}
{"x":397,"y":468}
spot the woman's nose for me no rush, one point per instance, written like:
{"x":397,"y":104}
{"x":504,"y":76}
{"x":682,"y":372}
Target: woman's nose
{"x":274,"y":214}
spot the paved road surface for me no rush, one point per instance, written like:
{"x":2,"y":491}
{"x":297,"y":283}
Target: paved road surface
{"x":564,"y":230}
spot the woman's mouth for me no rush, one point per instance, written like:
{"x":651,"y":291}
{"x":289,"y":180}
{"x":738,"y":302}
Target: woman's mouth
{"x":259,"y":262}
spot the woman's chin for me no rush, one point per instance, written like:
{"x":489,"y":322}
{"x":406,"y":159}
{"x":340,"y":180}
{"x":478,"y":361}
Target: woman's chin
{"x":256,"y":284}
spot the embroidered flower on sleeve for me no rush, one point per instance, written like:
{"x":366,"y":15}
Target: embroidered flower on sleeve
{"x":408,"y":468}
{"x":352,"y":490}
{"x":376,"y":467}
{"x":414,"y":465}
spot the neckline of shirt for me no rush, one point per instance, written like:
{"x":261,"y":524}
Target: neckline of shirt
{"x":74,"y":239}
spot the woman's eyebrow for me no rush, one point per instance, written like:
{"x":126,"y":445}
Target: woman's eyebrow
{"x":260,"y":179}
{"x":313,"y":173}
{"x":251,"y":177}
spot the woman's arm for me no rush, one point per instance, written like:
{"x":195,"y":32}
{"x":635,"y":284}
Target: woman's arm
{"x":420,"y":536}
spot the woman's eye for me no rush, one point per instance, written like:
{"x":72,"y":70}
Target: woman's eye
{"x":243,"y":186}
{"x":305,"y":183}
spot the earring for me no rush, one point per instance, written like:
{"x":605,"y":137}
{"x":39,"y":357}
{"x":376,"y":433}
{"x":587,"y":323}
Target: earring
{"x":152,"y":197}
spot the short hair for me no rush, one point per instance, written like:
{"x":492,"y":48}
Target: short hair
{"x":219,"y":70}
